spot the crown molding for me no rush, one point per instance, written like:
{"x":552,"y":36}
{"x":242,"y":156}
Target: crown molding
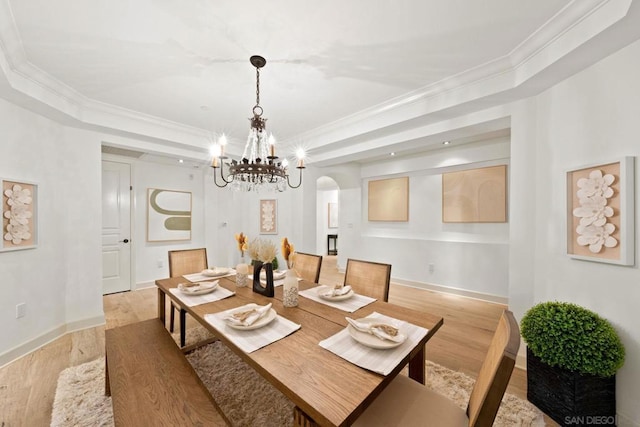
{"x":472,"y":90}
{"x":30,"y":80}
{"x":571,"y":27}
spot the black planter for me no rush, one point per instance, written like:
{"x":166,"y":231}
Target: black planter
{"x":267,"y":291}
{"x":570,"y":398}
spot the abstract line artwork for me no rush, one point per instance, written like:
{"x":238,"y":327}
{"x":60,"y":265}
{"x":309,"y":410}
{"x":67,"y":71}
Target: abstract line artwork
{"x":168,"y":215}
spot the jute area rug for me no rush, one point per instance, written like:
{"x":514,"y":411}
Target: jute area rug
{"x":244,"y":396}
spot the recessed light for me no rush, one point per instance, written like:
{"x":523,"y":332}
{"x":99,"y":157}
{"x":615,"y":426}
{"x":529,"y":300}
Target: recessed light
{"x":180,"y":161}
{"x":392,"y":153}
{"x":446,"y":142}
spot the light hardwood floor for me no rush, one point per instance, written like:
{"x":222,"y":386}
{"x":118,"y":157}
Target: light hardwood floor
{"x":27,"y":386}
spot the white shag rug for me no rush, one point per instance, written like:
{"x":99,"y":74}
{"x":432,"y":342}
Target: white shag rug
{"x":80,"y":400}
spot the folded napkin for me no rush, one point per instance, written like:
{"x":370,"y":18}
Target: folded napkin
{"x":337,"y":291}
{"x":195,"y":287}
{"x":215,"y":271}
{"x":373,"y":359}
{"x":381,"y":330}
{"x":247,"y":316}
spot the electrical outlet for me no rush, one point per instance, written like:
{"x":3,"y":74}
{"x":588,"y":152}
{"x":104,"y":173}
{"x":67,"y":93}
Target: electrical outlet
{"x":21,"y":310}
{"x":431,"y":268}
{"x":160,"y":263}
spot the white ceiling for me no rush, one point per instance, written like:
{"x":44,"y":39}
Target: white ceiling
{"x":172,"y":73}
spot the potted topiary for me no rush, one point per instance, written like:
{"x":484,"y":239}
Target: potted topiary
{"x":572,"y":357}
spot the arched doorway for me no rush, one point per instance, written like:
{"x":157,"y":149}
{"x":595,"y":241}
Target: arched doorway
{"x":327,"y":197}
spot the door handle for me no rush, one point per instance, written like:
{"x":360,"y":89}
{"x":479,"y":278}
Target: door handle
{"x":124,"y":241}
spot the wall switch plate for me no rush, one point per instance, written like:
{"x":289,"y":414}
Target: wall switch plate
{"x":431,"y":268}
{"x":160,"y":263}
{"x":21,"y":310}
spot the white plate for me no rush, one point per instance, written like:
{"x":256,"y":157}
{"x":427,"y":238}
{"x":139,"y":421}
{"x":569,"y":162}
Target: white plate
{"x":370,"y":340}
{"x":324,"y":289}
{"x":216,"y":272}
{"x":263,"y":321}
{"x":199,"y":289}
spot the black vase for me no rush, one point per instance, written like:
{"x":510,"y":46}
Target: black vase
{"x":568,"y":397}
{"x":257,"y":286}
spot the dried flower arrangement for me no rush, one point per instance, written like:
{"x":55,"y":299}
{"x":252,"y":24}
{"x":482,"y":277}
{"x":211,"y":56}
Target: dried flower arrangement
{"x":262,"y":250}
{"x":242,"y":243}
{"x":287,"y":252}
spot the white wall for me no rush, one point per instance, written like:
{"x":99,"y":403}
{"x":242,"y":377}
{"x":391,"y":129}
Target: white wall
{"x":473,"y":257}
{"x":229,"y":212}
{"x":60,"y":280}
{"x":218,"y":214}
{"x":149,"y":255}
{"x":590,"y":118}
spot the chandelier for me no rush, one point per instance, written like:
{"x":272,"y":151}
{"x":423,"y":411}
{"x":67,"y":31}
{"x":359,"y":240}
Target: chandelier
{"x":259,"y":167}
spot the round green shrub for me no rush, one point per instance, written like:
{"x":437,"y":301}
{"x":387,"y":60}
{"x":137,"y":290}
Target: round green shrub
{"x":572,"y":337}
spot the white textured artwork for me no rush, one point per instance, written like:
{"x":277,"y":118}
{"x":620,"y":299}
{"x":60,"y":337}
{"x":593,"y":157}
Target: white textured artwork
{"x":268,"y":217}
{"x":594,"y":229}
{"x":18,"y":199}
{"x":600,"y":212}
{"x":18,"y":220}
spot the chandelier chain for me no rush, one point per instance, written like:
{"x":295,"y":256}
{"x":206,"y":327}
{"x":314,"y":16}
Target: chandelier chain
{"x":257,"y":87}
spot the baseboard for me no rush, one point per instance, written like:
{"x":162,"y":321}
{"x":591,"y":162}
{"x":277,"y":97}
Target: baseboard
{"x":455,"y":291}
{"x":49,"y":336}
{"x":79,"y":325}
{"x":521,"y":361}
{"x":144,"y":285}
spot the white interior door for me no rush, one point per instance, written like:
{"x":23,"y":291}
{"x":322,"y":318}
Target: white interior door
{"x":116,"y":227}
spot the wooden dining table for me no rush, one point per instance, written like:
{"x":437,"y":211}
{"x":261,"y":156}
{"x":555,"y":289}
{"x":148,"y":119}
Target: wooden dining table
{"x":326,"y":389}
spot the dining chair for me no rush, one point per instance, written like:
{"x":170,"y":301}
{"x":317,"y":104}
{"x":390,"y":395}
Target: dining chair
{"x":368,"y":278}
{"x":307,"y":266}
{"x":406,"y":402}
{"x":181,"y":262}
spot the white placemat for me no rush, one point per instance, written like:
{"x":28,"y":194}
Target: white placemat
{"x":191,"y":300}
{"x":380,"y":361}
{"x":350,"y":305}
{"x":199,"y":277}
{"x":252,"y":340}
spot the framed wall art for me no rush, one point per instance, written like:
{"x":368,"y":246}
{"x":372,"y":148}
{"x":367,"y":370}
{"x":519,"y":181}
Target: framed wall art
{"x":19,"y":215}
{"x":389,"y":200}
{"x":269,"y":216}
{"x":333,"y":215}
{"x":475,"y":195}
{"x":600,"y":212}
{"x":168,"y":215}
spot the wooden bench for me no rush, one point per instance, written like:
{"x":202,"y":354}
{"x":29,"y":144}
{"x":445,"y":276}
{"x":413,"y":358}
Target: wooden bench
{"x":152,"y":383}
